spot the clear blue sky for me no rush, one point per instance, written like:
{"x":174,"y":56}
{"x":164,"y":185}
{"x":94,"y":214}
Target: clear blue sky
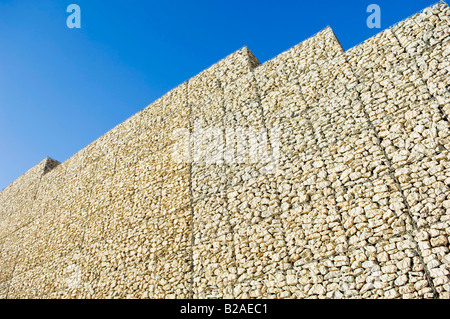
{"x":61,"y":88}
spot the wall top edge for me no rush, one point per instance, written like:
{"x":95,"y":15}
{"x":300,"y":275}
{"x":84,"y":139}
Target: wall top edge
{"x":247,"y":60}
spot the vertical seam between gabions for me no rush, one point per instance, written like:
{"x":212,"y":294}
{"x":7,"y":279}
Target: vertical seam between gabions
{"x":444,"y":117}
{"x":89,"y":214}
{"x":319,"y":149}
{"x":397,"y":182}
{"x":191,"y":195}
{"x":12,"y":274}
{"x":232,"y":282}
{"x":273,"y":160}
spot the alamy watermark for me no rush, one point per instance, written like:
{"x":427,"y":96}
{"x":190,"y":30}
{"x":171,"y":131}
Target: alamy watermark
{"x":73,"y":277}
{"x":74,"y":19}
{"x":232,"y":145}
{"x":374,"y":20}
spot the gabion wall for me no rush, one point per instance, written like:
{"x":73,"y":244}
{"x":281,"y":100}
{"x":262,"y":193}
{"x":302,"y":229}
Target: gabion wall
{"x":318,"y":174}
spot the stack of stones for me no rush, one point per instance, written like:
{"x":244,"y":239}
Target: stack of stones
{"x":321,"y":173}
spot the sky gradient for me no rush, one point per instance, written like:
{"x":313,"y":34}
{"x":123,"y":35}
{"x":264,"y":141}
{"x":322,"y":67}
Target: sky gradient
{"x":61,"y":88}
